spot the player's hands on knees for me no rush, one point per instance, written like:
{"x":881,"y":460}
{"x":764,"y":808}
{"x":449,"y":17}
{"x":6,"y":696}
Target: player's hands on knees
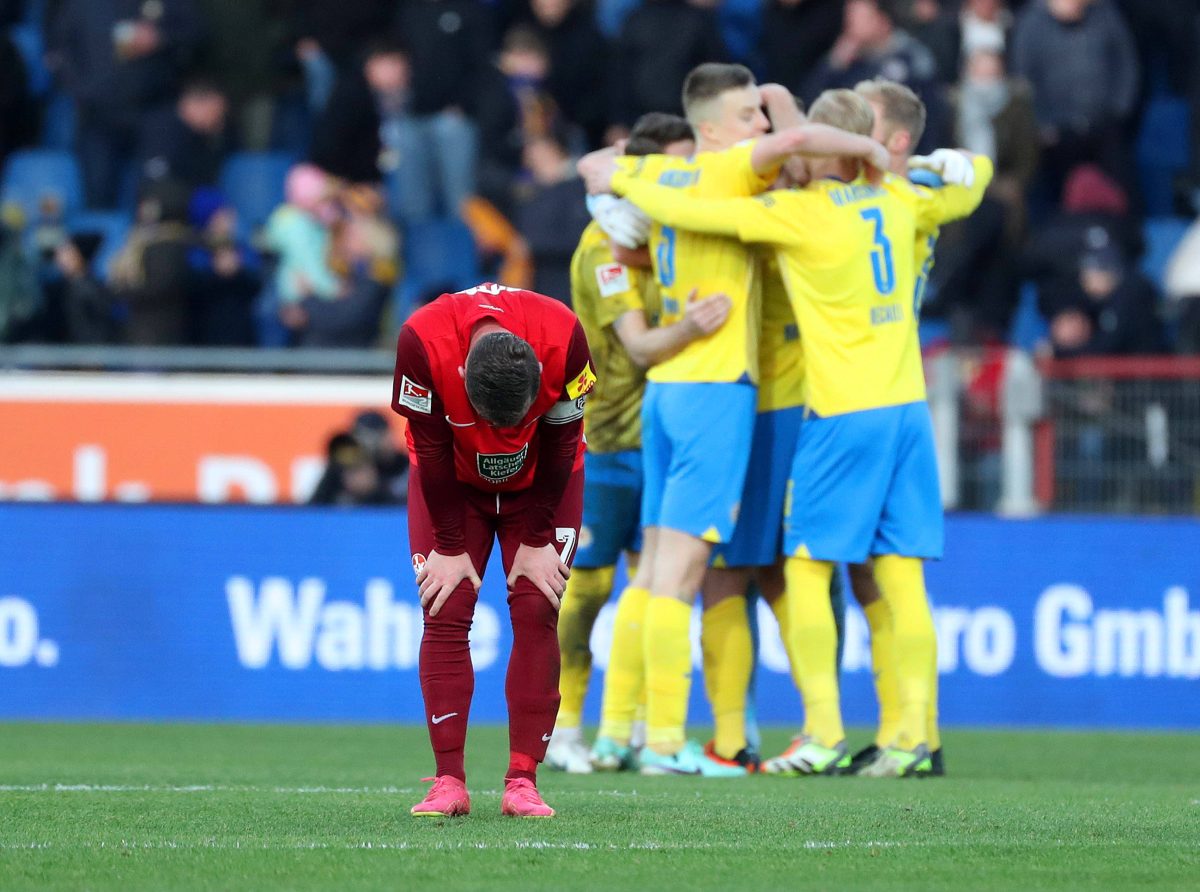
{"x":441,"y":575}
{"x":544,"y":568}
{"x":707,"y":314}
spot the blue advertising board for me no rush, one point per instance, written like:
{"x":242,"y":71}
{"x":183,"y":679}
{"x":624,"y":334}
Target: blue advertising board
{"x":257,"y":613}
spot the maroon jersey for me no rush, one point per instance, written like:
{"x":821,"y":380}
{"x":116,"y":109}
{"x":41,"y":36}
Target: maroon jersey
{"x":444,"y":429}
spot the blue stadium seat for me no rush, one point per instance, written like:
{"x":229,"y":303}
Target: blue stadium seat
{"x":32,"y":174}
{"x":253,"y":182}
{"x":1162,"y":235}
{"x":437,"y":253}
{"x":28,"y":40}
{"x":112,"y":226}
{"x":1028,"y":328}
{"x":1163,"y":151}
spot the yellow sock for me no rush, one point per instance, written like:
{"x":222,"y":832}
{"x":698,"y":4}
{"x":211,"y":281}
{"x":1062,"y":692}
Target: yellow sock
{"x":779,"y":607}
{"x":668,"y":655}
{"x":624,"y":682}
{"x":902,"y":581}
{"x":934,"y":741}
{"x":883,"y":663}
{"x":814,"y":647}
{"x":728,"y":663}
{"x":587,"y":590}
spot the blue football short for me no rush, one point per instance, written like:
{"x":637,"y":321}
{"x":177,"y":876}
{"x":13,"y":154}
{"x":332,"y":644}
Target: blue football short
{"x":612,"y":501}
{"x":863,"y":484}
{"x":758,"y":537}
{"x":696,"y":446}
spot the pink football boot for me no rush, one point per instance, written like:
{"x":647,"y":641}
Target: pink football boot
{"x":447,"y":798}
{"x":522,"y":800}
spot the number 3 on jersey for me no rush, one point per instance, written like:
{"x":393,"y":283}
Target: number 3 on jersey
{"x":881,"y":254}
{"x":665,"y":257}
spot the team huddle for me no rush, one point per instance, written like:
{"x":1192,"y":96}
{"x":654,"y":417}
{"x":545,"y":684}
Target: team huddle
{"x":750,"y":291}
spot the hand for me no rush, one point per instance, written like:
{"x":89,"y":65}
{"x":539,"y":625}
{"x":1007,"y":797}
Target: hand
{"x":597,"y":169}
{"x":441,"y":575}
{"x":707,"y":314}
{"x":953,"y":166}
{"x":544,"y":568}
{"x":620,"y":220}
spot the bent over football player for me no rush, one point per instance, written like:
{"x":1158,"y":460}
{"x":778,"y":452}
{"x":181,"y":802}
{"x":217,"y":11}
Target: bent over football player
{"x":492,"y":381}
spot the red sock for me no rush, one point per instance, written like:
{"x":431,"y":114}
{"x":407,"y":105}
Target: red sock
{"x":532,"y":683}
{"x":448,"y":679}
{"x":521,"y":765}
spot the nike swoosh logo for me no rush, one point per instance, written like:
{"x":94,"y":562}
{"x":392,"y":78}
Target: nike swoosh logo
{"x":545,"y":738}
{"x":438,"y":719}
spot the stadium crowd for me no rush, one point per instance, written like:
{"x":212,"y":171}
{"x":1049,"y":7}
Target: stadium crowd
{"x":299,"y":172}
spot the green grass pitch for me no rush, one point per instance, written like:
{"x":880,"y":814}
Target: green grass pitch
{"x":326,"y":807}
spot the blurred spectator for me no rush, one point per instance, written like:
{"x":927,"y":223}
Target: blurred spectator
{"x":151,"y":274}
{"x":118,"y":59}
{"x":1183,"y":290}
{"x":370,"y":132}
{"x":1111,"y":310}
{"x":1094,"y":215}
{"x":579,"y":71}
{"x":298,"y":233}
{"x":1079,"y":57}
{"x":984,"y":23}
{"x":871,"y":45}
{"x":186,"y":142}
{"x":796,"y":35}
{"x":79,"y":308}
{"x":1164,"y":31}
{"x":934,"y":24}
{"x":338,"y":29}
{"x":350,"y":476}
{"x":660,"y":42}
{"x":226,"y":280}
{"x":374,"y":434}
{"x":995,"y":118}
{"x":552,"y":215}
{"x":19,"y":295}
{"x":245,"y":56}
{"x":18,"y":114}
{"x":504,"y":255}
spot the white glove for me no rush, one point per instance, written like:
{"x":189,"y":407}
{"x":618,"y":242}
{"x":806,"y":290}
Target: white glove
{"x":952,"y":166}
{"x":620,"y":220}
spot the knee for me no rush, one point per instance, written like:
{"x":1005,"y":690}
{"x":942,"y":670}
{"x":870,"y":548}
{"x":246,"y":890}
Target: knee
{"x":456,"y":613}
{"x":530,"y":609}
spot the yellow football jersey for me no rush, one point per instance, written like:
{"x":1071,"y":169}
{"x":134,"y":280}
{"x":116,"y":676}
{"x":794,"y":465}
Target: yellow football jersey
{"x":780,"y":350}
{"x":847,"y":253}
{"x":685,"y":261}
{"x":602,"y":291}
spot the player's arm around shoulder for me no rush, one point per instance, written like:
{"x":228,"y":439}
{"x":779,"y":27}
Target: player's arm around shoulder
{"x":966,"y":176}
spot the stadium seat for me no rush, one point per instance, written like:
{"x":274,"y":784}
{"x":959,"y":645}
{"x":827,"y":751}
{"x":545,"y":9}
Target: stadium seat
{"x":1163,"y":151}
{"x":253,"y":182}
{"x":437,"y":254}
{"x":114,"y":228}
{"x":32,"y":174}
{"x":28,"y":40}
{"x":1028,"y":328}
{"x":1162,"y":236}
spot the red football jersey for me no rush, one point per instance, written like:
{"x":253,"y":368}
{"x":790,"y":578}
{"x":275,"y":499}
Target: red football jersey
{"x":487,"y":457}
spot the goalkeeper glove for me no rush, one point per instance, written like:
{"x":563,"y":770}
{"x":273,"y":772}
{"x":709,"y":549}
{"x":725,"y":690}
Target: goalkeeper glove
{"x":952,"y":166}
{"x":620,"y":220}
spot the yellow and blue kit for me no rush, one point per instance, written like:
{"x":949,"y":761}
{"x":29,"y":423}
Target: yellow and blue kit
{"x":757,"y":539}
{"x":864,"y":480}
{"x":694,"y":472}
{"x":602,"y":291}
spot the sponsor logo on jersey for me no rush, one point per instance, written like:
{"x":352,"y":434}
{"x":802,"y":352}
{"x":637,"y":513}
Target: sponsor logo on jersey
{"x":613,"y":278}
{"x":501,"y":466}
{"x":415,"y":397}
{"x":583,"y":383}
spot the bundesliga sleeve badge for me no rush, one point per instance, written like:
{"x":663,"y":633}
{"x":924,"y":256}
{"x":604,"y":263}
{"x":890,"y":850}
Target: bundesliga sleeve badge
{"x":415,"y":397}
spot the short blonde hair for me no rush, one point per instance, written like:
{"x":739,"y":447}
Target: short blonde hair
{"x":902,"y":108}
{"x":845,"y":110}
